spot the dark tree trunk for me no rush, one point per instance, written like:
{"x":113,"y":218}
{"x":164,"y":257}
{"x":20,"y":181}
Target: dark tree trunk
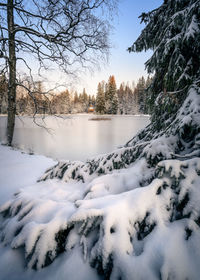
{"x":1,"y":99}
{"x":12,"y":74}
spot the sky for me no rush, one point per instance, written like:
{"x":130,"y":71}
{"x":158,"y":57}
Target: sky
{"x":125,"y":66}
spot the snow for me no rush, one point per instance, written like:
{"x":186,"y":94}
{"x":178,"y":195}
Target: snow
{"x":19,"y":172}
{"x":192,"y":29}
{"x":139,"y":221}
{"x":116,"y":204}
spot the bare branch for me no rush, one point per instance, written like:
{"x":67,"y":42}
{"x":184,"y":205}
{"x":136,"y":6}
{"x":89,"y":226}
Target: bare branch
{"x":70,"y":33}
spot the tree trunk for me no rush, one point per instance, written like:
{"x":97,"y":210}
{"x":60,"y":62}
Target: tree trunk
{"x":12,"y":74}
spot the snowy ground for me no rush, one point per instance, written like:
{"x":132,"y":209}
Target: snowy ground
{"x":17,"y":171}
{"x":158,"y":249}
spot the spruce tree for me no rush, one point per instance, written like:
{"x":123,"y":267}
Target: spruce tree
{"x":172,"y":32}
{"x":85,"y":100}
{"x":111,"y":96}
{"x":148,"y":94}
{"x":61,"y":103}
{"x":141,"y":94}
{"x":76,"y":99}
{"x":100,"y":99}
{"x":121,"y":99}
{"x":93,"y":100}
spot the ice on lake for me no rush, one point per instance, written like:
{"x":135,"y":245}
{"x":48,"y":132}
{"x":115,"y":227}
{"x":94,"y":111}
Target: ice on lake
{"x":74,"y":137}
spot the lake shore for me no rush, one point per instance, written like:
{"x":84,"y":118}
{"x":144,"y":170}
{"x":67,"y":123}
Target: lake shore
{"x":73,"y":137}
{"x":20,"y":171}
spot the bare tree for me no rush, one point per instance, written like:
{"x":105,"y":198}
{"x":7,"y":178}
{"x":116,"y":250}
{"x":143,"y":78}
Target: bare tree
{"x":71,"y":33}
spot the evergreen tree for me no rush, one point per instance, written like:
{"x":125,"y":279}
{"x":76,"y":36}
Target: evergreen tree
{"x":100,"y":99}
{"x":135,"y":101}
{"x":111,"y":96}
{"x":127,"y":99}
{"x":76,"y":100}
{"x":141,"y":94}
{"x":148,"y":94}
{"x":172,"y":31}
{"x":42,"y":101}
{"x":130,"y":105}
{"x":61,"y":103}
{"x":93,"y":100}
{"x":121,"y":99}
{"x":84,"y":100}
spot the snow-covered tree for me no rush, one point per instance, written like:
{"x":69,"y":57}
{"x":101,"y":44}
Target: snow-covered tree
{"x":100,"y":99}
{"x":141,"y":94}
{"x":93,"y":100}
{"x":121,"y":99}
{"x":172,"y":32}
{"x":127,"y":103}
{"x":111,"y":96}
{"x":30,"y":99}
{"x":84,"y":99}
{"x":148,"y":95}
{"x":61,"y":103}
{"x":137,"y":215}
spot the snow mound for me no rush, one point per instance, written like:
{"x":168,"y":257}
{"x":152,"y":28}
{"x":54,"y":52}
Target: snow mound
{"x":117,"y":232}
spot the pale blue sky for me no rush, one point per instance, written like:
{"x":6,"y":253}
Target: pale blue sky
{"x":123,"y":65}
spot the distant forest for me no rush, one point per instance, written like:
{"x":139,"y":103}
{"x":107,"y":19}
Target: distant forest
{"x":127,"y":99}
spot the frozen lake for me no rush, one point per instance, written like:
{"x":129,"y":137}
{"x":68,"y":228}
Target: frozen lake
{"x":74,"y":137}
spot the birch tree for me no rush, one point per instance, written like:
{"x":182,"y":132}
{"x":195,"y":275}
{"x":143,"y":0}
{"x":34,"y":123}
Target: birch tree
{"x":72,"y":34}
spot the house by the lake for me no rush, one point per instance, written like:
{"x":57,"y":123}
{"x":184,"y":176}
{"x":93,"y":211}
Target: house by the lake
{"x":91,"y":109}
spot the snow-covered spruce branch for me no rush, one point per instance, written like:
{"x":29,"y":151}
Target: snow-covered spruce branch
{"x":115,"y":230}
{"x":180,"y":138}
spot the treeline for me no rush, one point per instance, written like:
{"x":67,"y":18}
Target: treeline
{"x":66,"y":102}
{"x":32,"y":99}
{"x":125,"y":100}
